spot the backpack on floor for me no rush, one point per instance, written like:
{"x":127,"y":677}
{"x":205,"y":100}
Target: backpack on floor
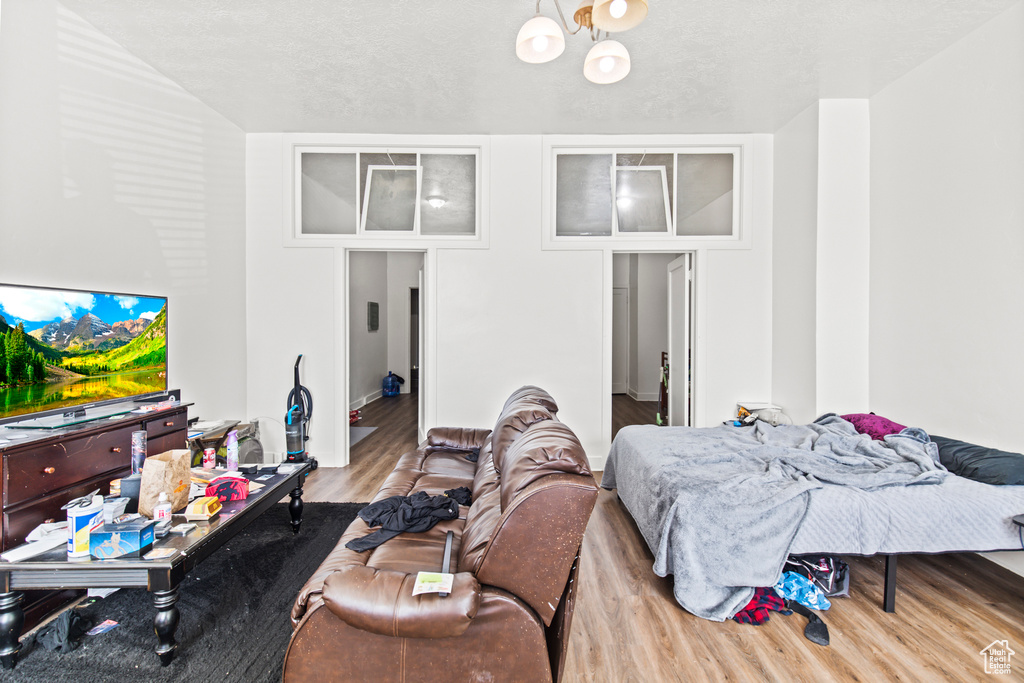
{"x":827,"y":572}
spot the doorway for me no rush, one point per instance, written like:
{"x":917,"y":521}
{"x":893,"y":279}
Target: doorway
{"x":645,"y":307}
{"x":385,"y":348}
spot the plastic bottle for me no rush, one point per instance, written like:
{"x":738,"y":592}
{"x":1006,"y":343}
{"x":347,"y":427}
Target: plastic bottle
{"x":82,"y":519}
{"x":162,"y":509}
{"x":138,"y":451}
{"x":162,"y":514}
{"x":232,"y":448}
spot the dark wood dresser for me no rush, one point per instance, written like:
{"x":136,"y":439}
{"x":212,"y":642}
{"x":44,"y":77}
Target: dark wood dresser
{"x":46,"y":468}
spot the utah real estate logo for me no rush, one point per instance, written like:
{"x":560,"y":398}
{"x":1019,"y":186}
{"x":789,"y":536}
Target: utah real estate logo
{"x":997,"y":657}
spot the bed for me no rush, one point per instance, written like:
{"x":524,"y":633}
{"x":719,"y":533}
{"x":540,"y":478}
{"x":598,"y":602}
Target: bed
{"x":721,"y":508}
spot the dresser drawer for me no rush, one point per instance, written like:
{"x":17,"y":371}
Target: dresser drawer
{"x":158,"y":426}
{"x":166,"y":442}
{"x":42,"y":470}
{"x":19,"y":521}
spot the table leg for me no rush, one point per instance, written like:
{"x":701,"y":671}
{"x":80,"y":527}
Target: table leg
{"x":295,"y":506}
{"x":11,"y":621}
{"x":166,"y":623}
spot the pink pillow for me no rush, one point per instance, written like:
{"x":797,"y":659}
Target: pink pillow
{"x":873,"y":425}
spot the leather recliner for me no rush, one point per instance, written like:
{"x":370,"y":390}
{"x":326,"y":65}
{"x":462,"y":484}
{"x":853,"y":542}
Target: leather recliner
{"x":515,"y":558}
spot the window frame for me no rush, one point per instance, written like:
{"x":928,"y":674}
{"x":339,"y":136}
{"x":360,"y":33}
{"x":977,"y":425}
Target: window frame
{"x":740,"y":146}
{"x":295,"y":145}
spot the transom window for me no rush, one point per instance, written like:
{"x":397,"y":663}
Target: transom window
{"x":386,"y":193}
{"x":682,"y":193}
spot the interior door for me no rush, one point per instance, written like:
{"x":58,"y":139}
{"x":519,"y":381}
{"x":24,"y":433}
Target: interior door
{"x":421,"y":398}
{"x":620,"y":339}
{"x":680,"y":335}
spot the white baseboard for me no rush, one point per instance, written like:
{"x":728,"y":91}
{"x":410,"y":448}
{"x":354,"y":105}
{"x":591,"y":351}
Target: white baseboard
{"x":638,"y":396}
{"x":597,"y":464}
{"x":369,"y":398}
{"x":619,"y":388}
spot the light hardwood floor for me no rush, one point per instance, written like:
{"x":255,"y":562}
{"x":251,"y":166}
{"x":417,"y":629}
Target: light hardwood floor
{"x":628,"y":627}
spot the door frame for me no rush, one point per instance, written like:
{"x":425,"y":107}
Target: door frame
{"x":699,"y":318}
{"x":626,"y":290}
{"x":675,"y":309}
{"x":342,"y":352}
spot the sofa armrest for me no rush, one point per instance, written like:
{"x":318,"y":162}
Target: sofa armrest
{"x":456,"y":439}
{"x":381,"y":601}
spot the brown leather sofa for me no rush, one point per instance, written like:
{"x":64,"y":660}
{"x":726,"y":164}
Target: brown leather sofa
{"x":515,"y":557}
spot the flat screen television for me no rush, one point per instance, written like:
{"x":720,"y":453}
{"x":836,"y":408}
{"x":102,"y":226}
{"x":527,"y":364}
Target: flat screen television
{"x":65,"y":350}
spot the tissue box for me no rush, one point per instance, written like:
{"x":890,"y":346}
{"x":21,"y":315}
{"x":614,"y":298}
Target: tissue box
{"x":130,"y":539}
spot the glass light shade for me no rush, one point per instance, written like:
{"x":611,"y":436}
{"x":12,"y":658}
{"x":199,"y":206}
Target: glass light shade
{"x":636,"y":11}
{"x":540,"y":40}
{"x":607,"y":62}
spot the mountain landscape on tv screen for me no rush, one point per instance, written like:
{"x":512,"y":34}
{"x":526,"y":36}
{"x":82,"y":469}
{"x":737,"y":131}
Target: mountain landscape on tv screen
{"x":49,"y":362}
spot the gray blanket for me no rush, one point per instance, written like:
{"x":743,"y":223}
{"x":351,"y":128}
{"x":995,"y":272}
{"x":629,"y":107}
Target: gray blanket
{"x":720,"y":507}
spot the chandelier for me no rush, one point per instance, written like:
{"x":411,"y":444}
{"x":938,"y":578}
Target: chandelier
{"x":540,"y":39}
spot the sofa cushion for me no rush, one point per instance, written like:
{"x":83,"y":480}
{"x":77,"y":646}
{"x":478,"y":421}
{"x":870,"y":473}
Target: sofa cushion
{"x":534,"y":394}
{"x":526,"y":409}
{"x":545,"y":447}
{"x":480,"y":525}
{"x":455,"y":439}
{"x":381,"y":601}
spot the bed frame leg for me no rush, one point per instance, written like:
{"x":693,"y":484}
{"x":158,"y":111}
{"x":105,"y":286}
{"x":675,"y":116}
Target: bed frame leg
{"x":889,"y":603}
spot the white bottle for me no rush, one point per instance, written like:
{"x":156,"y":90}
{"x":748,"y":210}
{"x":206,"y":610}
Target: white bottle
{"x":162,"y":509}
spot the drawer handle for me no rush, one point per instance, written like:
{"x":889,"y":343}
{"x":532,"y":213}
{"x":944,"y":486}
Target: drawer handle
{"x":49,"y":470}
{"x":115,"y":449}
{"x":168,"y":424}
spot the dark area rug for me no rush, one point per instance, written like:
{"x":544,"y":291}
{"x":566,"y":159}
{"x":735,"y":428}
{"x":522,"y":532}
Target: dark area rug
{"x":234,"y":606}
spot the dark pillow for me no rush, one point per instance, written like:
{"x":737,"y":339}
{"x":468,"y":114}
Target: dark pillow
{"x":873,"y":425}
{"x":987,"y":465}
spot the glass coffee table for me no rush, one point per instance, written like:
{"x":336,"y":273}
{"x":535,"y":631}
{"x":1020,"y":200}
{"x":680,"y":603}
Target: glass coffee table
{"x":53,"y":570}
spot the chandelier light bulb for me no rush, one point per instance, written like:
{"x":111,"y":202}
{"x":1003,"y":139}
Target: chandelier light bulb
{"x":616,"y":16}
{"x":540,"y":40}
{"x":607,"y":62}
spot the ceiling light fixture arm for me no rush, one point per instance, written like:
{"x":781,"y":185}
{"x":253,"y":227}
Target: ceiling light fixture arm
{"x":562,"y":17}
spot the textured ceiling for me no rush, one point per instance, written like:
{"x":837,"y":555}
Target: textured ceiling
{"x":399,"y":66}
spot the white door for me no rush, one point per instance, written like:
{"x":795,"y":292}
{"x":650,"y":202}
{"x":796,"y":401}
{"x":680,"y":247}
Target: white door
{"x":421,"y":398}
{"x":680,"y":403}
{"x":620,"y":339}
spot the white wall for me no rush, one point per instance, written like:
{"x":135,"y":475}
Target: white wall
{"x":841,"y":310}
{"x":368,"y":351}
{"x":403,"y":275}
{"x":793,"y":267}
{"x":114,"y":178}
{"x":509,"y":315}
{"x":947,"y":241}
{"x":291,"y":308}
{"x":821,"y":261}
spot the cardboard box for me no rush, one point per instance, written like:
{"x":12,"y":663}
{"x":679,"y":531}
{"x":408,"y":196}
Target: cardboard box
{"x":130,"y":539}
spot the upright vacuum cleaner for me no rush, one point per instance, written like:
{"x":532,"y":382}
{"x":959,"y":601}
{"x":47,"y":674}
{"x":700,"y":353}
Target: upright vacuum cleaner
{"x":296,"y":421}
